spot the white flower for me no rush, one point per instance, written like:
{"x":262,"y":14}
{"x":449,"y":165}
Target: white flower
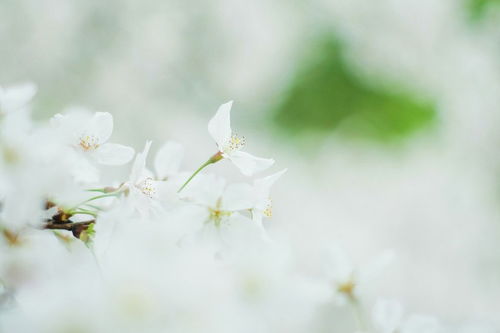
{"x":262,"y":206}
{"x":349,"y":281}
{"x":16,"y":97}
{"x":28,"y":173}
{"x":256,"y":198}
{"x":229,"y":144}
{"x":88,"y":133}
{"x":142,"y":187}
{"x":223,"y":211}
{"x":220,"y":201}
{"x":388,"y":318}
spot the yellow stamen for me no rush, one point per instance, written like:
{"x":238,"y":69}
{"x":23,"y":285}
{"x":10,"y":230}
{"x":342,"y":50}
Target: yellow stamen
{"x":147,"y":187}
{"x":235,"y":143}
{"x":89,"y":142}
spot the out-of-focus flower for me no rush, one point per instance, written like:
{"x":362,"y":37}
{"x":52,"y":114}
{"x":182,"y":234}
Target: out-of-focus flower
{"x":388,"y":317}
{"x":25,"y":148}
{"x":230,"y":144}
{"x":349,"y":281}
{"x":16,"y":97}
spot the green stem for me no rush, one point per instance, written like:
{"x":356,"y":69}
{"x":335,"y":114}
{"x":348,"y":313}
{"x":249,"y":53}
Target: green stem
{"x":114,"y":194}
{"x":84,"y":211}
{"x":214,"y":159}
{"x":101,"y":190}
{"x":93,"y":206}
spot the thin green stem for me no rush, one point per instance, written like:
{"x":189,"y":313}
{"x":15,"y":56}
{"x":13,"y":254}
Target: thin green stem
{"x":101,"y":190}
{"x":93,"y":206}
{"x":214,"y":159}
{"x":204,"y":165}
{"x":84,"y":211}
{"x":114,"y":194}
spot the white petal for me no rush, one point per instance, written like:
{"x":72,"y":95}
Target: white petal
{"x":113,"y":154}
{"x":241,"y":233}
{"x":219,"y":126}
{"x":168,"y":159}
{"x":205,"y":190}
{"x":376,"y":267}
{"x":263,"y":187}
{"x":139,"y":164}
{"x":257,"y":220}
{"x":387,"y":315}
{"x":72,"y":124}
{"x":16,"y":97}
{"x":84,"y":172}
{"x":338,"y":265}
{"x":238,"y":197}
{"x":249,"y":164}
{"x":101,"y":126}
{"x":267,"y":182}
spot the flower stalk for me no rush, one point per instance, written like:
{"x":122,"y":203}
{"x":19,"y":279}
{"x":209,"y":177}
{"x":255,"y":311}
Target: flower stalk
{"x":214,"y":159}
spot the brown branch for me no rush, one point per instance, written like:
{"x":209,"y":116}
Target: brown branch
{"x":75,"y":227}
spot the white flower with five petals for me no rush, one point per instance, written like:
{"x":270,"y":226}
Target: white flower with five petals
{"x":220,"y":201}
{"x":349,"y":281}
{"x":89,"y":134}
{"x":230,"y":144}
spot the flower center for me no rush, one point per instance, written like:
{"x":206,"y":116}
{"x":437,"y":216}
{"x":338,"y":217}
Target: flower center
{"x":347,"y":288}
{"x":147,"y":187}
{"x":235,"y":143}
{"x":89,"y":142}
{"x":217,"y":214}
{"x":268,"y":212}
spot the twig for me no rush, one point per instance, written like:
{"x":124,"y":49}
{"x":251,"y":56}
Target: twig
{"x":75,"y":227}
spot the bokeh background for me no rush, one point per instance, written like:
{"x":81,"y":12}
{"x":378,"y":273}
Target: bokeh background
{"x":386,"y":113}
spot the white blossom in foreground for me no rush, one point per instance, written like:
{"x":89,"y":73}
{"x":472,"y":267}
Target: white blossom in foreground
{"x":147,"y":253}
{"x":17,"y":97}
{"x":349,"y":281}
{"x":388,"y":317}
{"x":28,"y":174}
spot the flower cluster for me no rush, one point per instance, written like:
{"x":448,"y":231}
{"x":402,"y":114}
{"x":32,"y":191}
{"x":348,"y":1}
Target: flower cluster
{"x":162,"y":250}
